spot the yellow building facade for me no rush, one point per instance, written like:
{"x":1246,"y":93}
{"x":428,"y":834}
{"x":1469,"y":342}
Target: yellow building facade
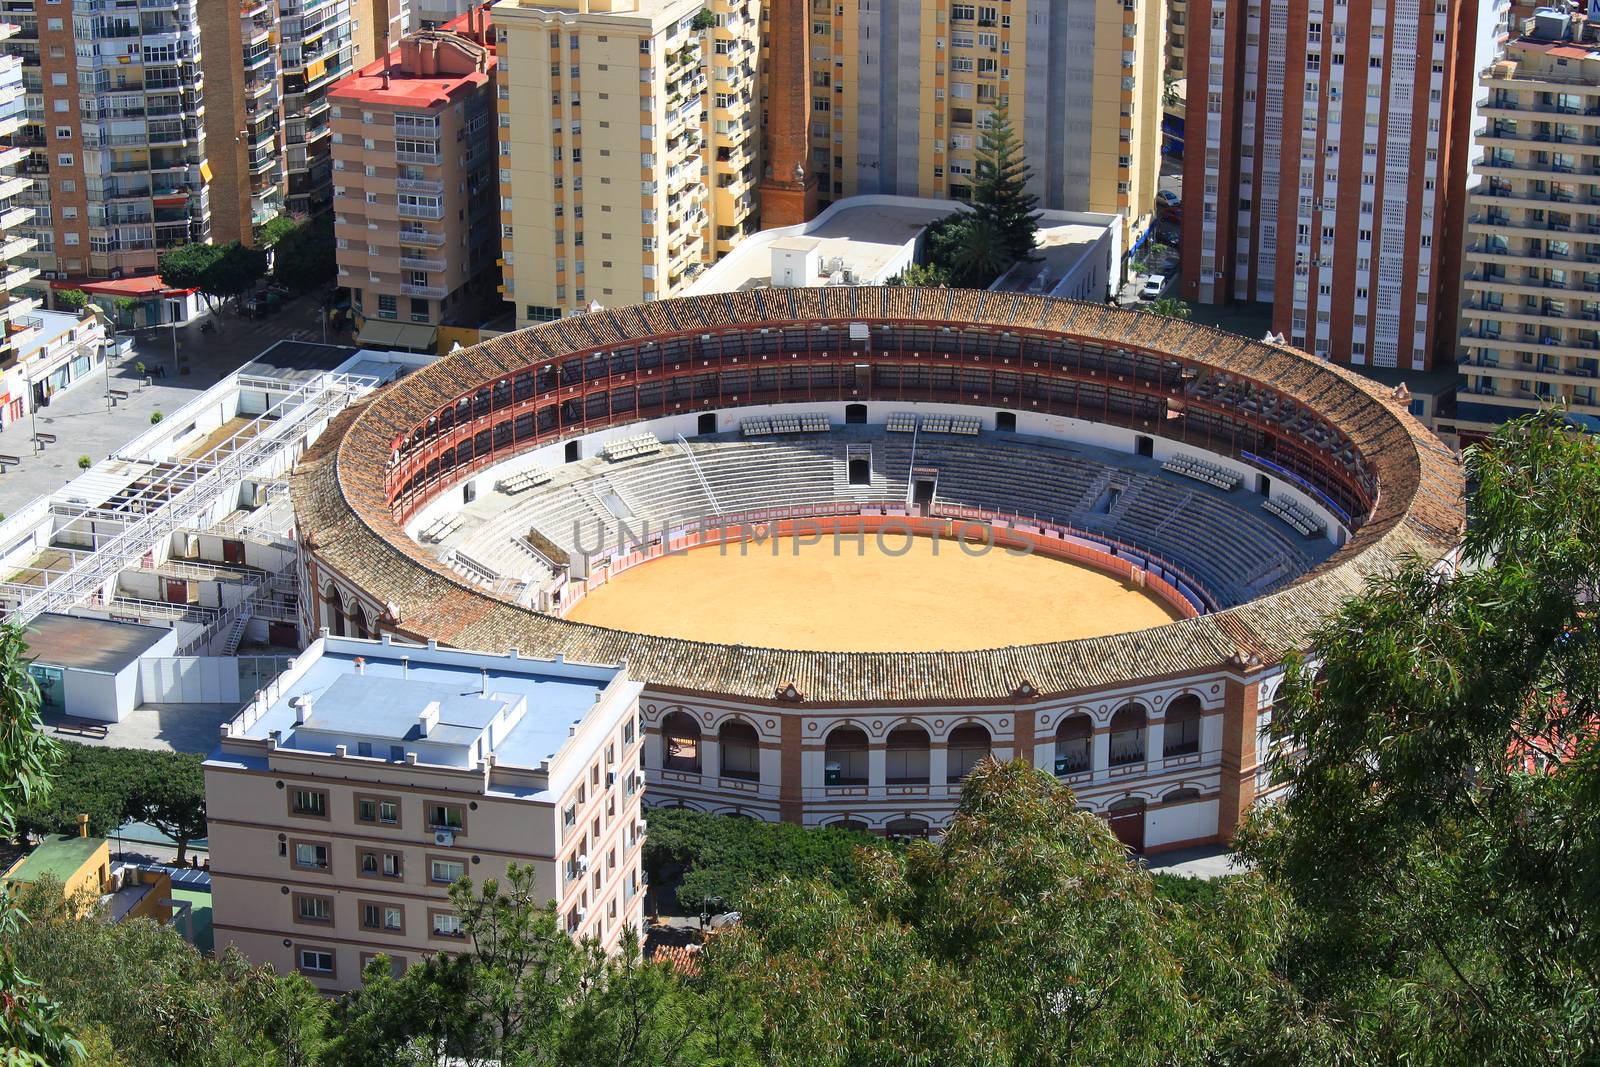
{"x":900,"y":92}
{"x":629,"y":147}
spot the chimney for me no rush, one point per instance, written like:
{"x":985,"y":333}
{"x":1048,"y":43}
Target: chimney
{"x":484,"y":688}
{"x":361,"y":665}
{"x":405,"y":666}
{"x":385,"y":47}
{"x":302,"y":708}
{"x":83,"y":824}
{"x":428,"y":718}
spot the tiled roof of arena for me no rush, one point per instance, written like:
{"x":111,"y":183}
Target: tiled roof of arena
{"x":343,"y":513}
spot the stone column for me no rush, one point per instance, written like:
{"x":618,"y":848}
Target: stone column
{"x":1241,"y":705}
{"x":791,"y":806}
{"x":1155,"y":740}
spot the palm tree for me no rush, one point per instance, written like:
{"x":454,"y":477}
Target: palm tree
{"x":982,"y":253}
{"x":1170,"y":306}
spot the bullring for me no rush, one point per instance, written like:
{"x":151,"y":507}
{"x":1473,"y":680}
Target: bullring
{"x":1066,"y":398}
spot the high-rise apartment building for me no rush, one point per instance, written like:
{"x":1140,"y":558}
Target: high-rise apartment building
{"x":1530,"y":315}
{"x":316,"y":50}
{"x":351,"y":793}
{"x":19,"y":329}
{"x":244,"y":116}
{"x":1326,"y":168}
{"x":893,"y":97}
{"x":415,"y":187}
{"x":629,"y":146}
{"x":116,"y":133}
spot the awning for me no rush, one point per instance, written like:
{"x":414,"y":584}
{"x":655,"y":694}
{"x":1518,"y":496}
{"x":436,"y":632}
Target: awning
{"x":409,"y":337}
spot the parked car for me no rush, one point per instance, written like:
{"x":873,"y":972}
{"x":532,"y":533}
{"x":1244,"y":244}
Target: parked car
{"x":1155,"y":287}
{"x":1168,"y":198}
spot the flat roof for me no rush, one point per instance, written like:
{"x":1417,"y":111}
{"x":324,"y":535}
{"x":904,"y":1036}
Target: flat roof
{"x":867,"y":236}
{"x":1059,"y":250}
{"x":384,"y":700}
{"x":59,"y":857}
{"x":77,"y":643}
{"x":52,"y":325}
{"x":297,"y":361}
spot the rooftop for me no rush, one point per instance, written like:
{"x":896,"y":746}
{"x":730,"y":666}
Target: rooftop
{"x":522,"y":708}
{"x":427,"y":70}
{"x":59,"y":857}
{"x":867,"y":233}
{"x":295,"y":361}
{"x":90,"y":644}
{"x":53,"y":326}
{"x":1061,"y":248}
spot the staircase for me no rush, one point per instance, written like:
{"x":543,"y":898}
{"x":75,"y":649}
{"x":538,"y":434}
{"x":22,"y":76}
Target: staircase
{"x":230,"y":646}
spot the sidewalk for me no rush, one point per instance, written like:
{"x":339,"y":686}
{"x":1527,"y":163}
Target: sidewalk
{"x":86,"y":423}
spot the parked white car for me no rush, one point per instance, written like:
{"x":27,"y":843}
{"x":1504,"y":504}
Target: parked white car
{"x":1155,"y":287}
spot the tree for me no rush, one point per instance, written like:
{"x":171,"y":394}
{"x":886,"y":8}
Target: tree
{"x":170,"y":794}
{"x":305,"y":259}
{"x":275,"y":229}
{"x":924,"y":274}
{"x":71,"y":299}
{"x":1023,"y":936}
{"x":187,"y":267}
{"x":32,"y":1029}
{"x":1170,"y":306}
{"x":718,"y":859}
{"x":234,"y":272}
{"x":1439,"y":838}
{"x":1000,"y":197}
{"x":139,"y":984}
{"x":981,"y":255}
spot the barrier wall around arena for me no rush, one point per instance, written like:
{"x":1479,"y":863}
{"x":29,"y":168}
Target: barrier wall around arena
{"x":1181,"y":594}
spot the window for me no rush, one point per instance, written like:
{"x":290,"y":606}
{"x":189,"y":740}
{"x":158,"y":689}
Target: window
{"x":313,"y":909}
{"x":382,"y":811}
{"x":375,"y":864}
{"x":310,"y":803}
{"x":316,"y":961}
{"x":967,"y":745}
{"x":445,"y":872}
{"x":741,"y":751}
{"x":446,"y":816}
{"x":386,"y":917}
{"x":845,"y":757}
{"x":311,"y":855}
{"x":1181,"y":736}
{"x":682,"y":738}
{"x":446,"y":924}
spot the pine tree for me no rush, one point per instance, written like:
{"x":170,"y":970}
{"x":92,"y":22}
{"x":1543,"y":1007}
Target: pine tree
{"x":1000,"y":195}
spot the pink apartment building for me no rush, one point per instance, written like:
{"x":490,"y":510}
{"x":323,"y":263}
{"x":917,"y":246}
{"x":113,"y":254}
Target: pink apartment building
{"x":416,"y":195}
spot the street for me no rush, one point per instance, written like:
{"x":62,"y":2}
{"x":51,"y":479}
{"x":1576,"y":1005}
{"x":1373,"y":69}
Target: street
{"x":86,"y":423}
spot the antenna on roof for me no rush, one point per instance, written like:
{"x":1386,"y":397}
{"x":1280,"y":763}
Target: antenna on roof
{"x":386,"y":57}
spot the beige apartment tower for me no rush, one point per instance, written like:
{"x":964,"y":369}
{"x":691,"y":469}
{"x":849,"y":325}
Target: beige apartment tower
{"x":893,"y":97}
{"x":1530,"y":314}
{"x":415,"y":190}
{"x":348,"y":796}
{"x":629,"y":146}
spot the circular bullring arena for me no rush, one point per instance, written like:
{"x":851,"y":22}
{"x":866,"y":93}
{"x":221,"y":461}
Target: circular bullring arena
{"x":855,"y":539}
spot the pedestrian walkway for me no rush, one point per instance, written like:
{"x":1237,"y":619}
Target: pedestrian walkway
{"x":85,"y":421}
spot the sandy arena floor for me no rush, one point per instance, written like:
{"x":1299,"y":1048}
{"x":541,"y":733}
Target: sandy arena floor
{"x":909,"y":595}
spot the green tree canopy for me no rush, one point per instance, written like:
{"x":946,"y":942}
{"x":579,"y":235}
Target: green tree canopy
{"x":170,"y":794}
{"x":1441,"y":839}
{"x":305,"y":258}
{"x":187,"y":266}
{"x":71,"y":299}
{"x":1000,"y":197}
{"x":275,"y":229}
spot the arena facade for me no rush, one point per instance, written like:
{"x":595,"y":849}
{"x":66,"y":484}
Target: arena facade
{"x":1245,"y":486}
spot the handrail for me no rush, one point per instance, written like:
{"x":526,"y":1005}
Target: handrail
{"x":266,"y":435}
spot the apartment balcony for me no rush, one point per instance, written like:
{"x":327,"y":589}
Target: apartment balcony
{"x":11,"y":217}
{"x":432,"y":292}
{"x":419,"y":263}
{"x":1548,"y":346}
{"x":16,"y":277}
{"x":423,"y":158}
{"x":1476,"y":310}
{"x":426,"y":238}
{"x":419,"y":211}
{"x":411,"y":185}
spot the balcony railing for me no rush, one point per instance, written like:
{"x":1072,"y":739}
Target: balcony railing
{"x":419,"y":263}
{"x":436,"y":292}
{"x":419,"y":211}
{"x":422,"y":237}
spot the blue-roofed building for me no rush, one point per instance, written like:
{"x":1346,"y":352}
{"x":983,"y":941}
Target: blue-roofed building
{"x":347,"y":797}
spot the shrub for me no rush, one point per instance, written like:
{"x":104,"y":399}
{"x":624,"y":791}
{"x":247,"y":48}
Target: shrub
{"x":84,"y":463}
{"x":155,"y":417}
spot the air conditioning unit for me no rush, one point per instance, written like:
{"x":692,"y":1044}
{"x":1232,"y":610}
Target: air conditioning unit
{"x":583,"y":913}
{"x":583,"y":864}
{"x":444,"y":838}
